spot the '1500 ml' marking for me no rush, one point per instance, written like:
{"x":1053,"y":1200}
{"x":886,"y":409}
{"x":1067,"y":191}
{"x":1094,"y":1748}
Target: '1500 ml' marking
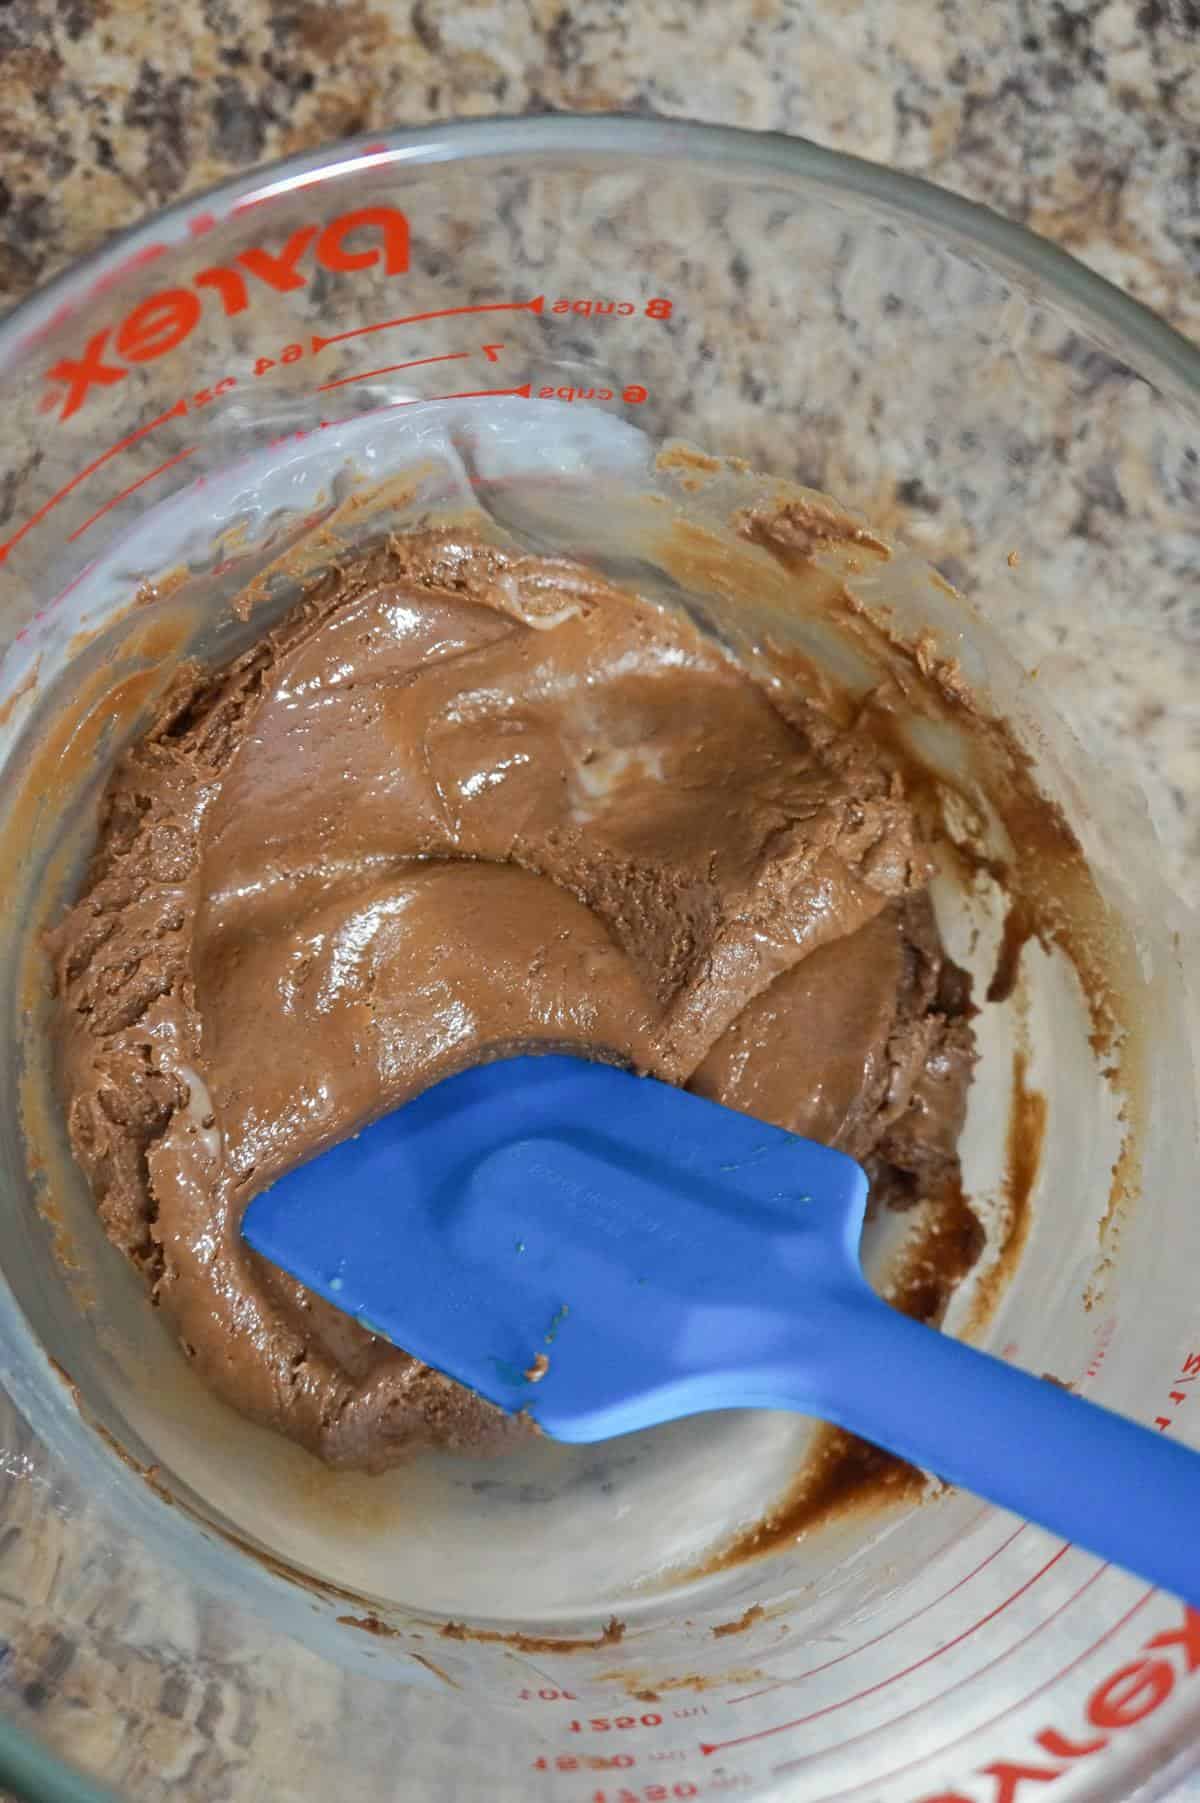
{"x":164,"y":320}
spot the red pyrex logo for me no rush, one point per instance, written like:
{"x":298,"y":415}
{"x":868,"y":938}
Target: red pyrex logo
{"x":355,"y":240}
{"x":1126,"y":1697}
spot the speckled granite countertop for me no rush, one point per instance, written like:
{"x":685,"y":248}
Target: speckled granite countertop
{"x":1081,"y":120}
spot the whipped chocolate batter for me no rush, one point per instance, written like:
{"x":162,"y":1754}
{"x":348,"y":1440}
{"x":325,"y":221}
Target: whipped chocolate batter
{"x":461,"y":801}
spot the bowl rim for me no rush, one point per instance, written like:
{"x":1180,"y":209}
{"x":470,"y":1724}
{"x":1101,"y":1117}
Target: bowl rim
{"x":1168,"y":354}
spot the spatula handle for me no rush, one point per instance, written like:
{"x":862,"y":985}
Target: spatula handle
{"x":1098,"y":1479}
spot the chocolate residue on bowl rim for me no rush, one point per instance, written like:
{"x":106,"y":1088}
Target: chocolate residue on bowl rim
{"x":754,"y":1613}
{"x":611,"y":1634}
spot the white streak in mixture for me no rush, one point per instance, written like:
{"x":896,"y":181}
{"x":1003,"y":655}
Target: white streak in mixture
{"x":200,"y":1112}
{"x":526,"y":609}
{"x":547,"y":622}
{"x":605,"y":771}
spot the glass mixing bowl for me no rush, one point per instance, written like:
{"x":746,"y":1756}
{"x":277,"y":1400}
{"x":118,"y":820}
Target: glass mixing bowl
{"x":519,"y":314}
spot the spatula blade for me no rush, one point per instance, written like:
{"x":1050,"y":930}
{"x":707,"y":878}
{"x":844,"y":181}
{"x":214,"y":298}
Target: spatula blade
{"x":599,"y":1249}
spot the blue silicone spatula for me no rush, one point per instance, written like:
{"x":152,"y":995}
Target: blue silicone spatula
{"x":607,"y":1253}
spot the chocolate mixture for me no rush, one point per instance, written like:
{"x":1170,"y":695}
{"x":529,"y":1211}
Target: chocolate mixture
{"x":462,"y":800}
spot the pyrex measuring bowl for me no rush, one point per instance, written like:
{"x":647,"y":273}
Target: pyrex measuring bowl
{"x":515,"y":315}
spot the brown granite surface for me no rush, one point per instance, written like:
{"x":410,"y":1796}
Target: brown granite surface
{"x":1082,"y":120}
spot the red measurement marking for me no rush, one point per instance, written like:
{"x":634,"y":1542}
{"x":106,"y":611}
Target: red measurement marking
{"x":936,"y":1702}
{"x":872,"y":1689}
{"x":604,"y":1724}
{"x":649,"y":1793}
{"x":89,"y":469}
{"x":1102,"y":1345}
{"x":132,"y":489}
{"x":586,"y":1762}
{"x":390,"y":369}
{"x":633,"y":394}
{"x":1188,"y":1375}
{"x":1010,"y":1709}
{"x":412,"y":319}
{"x":907,"y":1622}
{"x":658,"y":308}
{"x":471,"y":394}
{"x":468,"y":394}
